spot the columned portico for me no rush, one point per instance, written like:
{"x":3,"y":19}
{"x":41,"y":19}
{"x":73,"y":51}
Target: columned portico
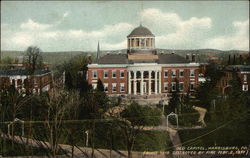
{"x":142,"y":79}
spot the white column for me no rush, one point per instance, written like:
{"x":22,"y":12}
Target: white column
{"x":153,"y":43}
{"x":145,"y":43}
{"x":160,"y":82}
{"x":15,"y":83}
{"x":156,"y":82}
{"x":141,"y":83}
{"x":134,"y":42}
{"x":135,"y":83}
{"x":140,"y":43}
{"x":22,"y":83}
{"x":129,"y":83}
{"x":149,"y":82}
{"x":130,"y":40}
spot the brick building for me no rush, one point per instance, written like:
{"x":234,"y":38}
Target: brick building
{"x":142,"y":71}
{"x":40,"y":80}
{"x":243,"y":73}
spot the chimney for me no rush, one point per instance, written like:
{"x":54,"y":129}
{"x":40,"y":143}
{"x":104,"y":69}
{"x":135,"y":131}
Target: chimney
{"x":193,"y":58}
{"x":187,"y":57}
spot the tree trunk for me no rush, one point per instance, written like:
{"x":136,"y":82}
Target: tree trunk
{"x":72,"y":151}
{"x":92,"y":143}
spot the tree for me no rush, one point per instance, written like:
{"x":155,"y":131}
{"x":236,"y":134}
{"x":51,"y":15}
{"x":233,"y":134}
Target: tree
{"x":100,"y":86}
{"x":35,"y":60}
{"x":208,"y":91}
{"x":174,"y":102}
{"x":229,"y":60}
{"x":68,"y":81}
{"x":134,"y":119}
{"x":234,"y":60}
{"x":5,"y":63}
{"x":59,"y":106}
{"x":77,"y":67}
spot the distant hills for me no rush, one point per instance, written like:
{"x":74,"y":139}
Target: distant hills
{"x":60,"y":57}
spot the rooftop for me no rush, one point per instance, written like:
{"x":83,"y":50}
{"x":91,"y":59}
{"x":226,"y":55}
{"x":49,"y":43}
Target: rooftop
{"x":123,"y":59}
{"x":241,"y":68}
{"x":21,"y":72}
{"x":140,"y":31}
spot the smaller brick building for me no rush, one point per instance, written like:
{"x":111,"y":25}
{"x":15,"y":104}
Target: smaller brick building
{"x":243,"y":73}
{"x":40,"y":80}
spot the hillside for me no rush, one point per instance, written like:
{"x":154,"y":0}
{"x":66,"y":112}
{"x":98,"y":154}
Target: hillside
{"x":59,"y":57}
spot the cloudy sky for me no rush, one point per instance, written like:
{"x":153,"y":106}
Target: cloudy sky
{"x":77,"y":26}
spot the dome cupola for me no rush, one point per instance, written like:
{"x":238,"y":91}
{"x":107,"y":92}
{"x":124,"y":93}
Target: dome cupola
{"x":141,"y":31}
{"x":141,"y":38}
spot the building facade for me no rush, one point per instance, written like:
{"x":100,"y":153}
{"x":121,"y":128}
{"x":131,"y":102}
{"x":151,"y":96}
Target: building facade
{"x":243,"y":73}
{"x":39,"y":81}
{"x":142,"y":71}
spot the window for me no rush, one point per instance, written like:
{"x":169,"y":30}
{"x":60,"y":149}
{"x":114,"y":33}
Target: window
{"x":166,"y":74}
{"x":165,"y":86}
{"x":113,"y":74}
{"x":181,"y":86}
{"x":181,"y":73}
{"x":106,"y":74}
{"x":106,"y":87}
{"x":122,"y":74}
{"x":173,"y":73}
{"x":94,"y":85}
{"x":245,"y":87}
{"x":122,"y":87}
{"x":94,"y":74}
{"x":35,"y":81}
{"x":114,"y":87}
{"x":173,"y":86}
{"x":245,"y":77}
{"x":191,"y":86}
{"x":192,"y":73}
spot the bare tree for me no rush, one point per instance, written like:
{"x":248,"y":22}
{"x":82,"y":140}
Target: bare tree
{"x":59,"y":105}
{"x":34,"y":60}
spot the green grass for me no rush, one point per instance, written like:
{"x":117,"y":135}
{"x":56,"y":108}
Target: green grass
{"x":236,"y":133}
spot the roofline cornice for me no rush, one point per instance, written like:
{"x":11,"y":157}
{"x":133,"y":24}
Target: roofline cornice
{"x":143,"y":64}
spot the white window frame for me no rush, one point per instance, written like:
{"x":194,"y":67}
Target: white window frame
{"x":94,"y":85}
{"x":105,"y":71}
{"x":114,"y":85}
{"x":106,"y":87}
{"x":173,"y":84}
{"x":181,"y":83}
{"x":245,"y":77}
{"x":114,"y":72}
{"x":122,"y":71}
{"x":173,"y":73}
{"x":165,"y":86}
{"x":35,"y":80}
{"x":192,"y":71}
{"x":93,"y":74}
{"x":122,"y":85}
{"x":166,"y":71}
{"x":244,"y":87}
{"x":190,"y":88}
{"x":180,"y":73}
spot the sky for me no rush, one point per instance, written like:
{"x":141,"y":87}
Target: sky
{"x":79,"y":25}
